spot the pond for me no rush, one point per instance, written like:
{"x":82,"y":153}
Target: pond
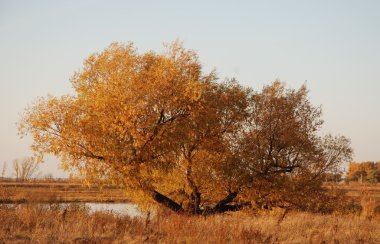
{"x":114,"y":208}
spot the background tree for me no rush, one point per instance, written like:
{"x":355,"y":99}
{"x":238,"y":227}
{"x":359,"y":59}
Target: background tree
{"x":167,"y":133}
{"x":49,"y":177}
{"x":364,"y":172}
{"x":333,"y":177}
{"x":284,"y":158}
{"x":25,"y":168}
{"x":4,"y":169}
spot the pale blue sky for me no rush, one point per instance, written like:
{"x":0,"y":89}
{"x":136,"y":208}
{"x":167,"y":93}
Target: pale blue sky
{"x":333,"y":45}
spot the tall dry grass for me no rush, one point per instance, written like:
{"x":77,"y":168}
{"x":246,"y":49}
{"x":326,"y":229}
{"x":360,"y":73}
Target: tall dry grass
{"x":74,"y":224}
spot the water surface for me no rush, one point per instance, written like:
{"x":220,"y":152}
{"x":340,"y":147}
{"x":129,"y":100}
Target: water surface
{"x":128,"y":209}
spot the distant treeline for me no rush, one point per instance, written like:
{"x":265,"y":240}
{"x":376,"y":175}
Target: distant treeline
{"x":368,"y":172}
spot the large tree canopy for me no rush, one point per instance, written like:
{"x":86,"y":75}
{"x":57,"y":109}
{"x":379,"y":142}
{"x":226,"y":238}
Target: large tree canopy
{"x":155,"y":124}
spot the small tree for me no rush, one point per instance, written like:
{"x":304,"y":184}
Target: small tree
{"x":4,"y":169}
{"x":49,"y":177}
{"x":373,"y":176}
{"x":25,"y":168}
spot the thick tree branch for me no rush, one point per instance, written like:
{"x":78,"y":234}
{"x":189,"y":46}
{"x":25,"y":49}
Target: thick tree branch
{"x":167,"y":202}
{"x":222,"y":206}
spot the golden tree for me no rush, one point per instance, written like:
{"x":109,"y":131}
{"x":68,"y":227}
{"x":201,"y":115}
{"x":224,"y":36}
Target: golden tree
{"x":168,"y":133}
{"x":364,"y":171}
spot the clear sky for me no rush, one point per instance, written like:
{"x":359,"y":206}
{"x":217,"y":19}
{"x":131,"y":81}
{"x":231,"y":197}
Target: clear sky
{"x":333,"y":45}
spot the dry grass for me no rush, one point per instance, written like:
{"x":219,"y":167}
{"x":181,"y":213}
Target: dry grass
{"x":73,"y":224}
{"x":18,"y":192}
{"x":64,"y":191}
{"x":355,"y":189}
{"x":55,"y":223}
{"x":364,"y":196}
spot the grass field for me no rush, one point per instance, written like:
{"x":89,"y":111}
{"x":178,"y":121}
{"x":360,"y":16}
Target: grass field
{"x":366,"y":195}
{"x":36,"y":224}
{"x":65,"y":191}
{"x":57,"y":191}
{"x":32,"y":222}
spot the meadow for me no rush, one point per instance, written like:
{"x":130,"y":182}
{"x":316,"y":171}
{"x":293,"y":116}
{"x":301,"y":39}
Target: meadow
{"x":28,"y":221}
{"x":57,"y":191}
{"x":36,"y":224}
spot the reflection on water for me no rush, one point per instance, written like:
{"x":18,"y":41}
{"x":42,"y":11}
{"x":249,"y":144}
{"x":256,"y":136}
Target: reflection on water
{"x":114,"y":208}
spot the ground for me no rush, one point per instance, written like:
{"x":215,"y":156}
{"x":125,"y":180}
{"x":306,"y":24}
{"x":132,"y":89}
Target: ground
{"x":32,"y":222}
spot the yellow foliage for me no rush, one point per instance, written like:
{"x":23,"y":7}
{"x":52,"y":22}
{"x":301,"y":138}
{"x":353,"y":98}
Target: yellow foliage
{"x":156,"y":125}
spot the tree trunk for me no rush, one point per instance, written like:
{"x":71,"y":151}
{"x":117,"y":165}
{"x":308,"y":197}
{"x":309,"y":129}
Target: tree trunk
{"x":195,"y":199}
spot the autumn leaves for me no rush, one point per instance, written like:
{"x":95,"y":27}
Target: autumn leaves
{"x":156,"y":125}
